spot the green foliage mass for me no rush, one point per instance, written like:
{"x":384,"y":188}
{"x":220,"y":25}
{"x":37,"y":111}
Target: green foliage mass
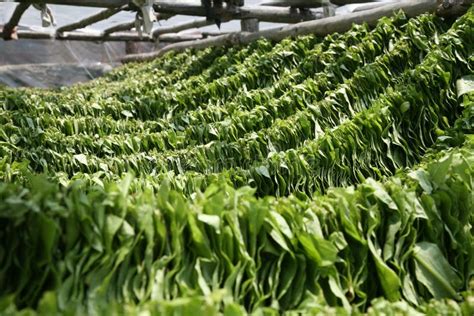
{"x":311,"y":176}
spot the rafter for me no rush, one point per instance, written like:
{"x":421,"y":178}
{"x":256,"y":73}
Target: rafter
{"x":167,"y":8}
{"x":82,"y":3}
{"x":119,"y":27}
{"x":102,"y":15}
{"x":265,"y":14}
{"x":320,"y":27}
{"x":181,"y":27}
{"x":294,"y":3}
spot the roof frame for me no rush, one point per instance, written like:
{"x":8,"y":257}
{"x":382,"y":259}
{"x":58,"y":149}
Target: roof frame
{"x":282,"y":11}
{"x":164,"y":9}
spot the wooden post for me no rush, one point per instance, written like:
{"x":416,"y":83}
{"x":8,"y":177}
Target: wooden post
{"x":249,"y":25}
{"x":328,"y":9}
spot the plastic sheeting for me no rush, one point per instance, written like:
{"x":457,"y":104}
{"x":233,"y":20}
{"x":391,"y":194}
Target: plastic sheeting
{"x":51,"y":63}
{"x":63,"y":62}
{"x":50,"y":75}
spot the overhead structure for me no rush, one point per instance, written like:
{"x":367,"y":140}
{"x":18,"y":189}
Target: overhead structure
{"x":213,"y":11}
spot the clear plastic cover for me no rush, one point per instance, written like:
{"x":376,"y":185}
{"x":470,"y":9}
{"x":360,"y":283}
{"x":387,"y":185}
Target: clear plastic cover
{"x":50,"y":63}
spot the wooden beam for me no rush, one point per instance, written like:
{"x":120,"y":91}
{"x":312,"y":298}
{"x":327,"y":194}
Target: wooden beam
{"x":102,"y":15}
{"x":369,"y":6}
{"x":266,"y":14}
{"x":79,"y":36}
{"x":9,"y":29}
{"x":129,"y":25}
{"x":323,"y":27}
{"x":209,"y":34}
{"x":83,"y":3}
{"x":294,"y":3}
{"x":115,"y":37}
{"x":119,"y":28}
{"x":174,"y":38}
{"x":344,"y":2}
{"x":181,"y":27}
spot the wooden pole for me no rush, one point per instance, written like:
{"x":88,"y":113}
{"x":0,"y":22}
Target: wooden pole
{"x":83,"y":3}
{"x":175,"y":38}
{"x":102,"y":15}
{"x":9,"y":29}
{"x":79,"y":36}
{"x":181,"y":27}
{"x":115,"y":37}
{"x":344,"y":2}
{"x":209,"y":34}
{"x":128,"y":26}
{"x":119,"y":28}
{"x":369,"y":6}
{"x":267,"y":14}
{"x":295,"y":3}
{"x":321,"y":27}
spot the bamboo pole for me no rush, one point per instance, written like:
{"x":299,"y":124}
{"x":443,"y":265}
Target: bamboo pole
{"x":321,"y":27}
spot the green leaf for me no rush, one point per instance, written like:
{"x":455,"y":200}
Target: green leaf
{"x":435,"y":272}
{"x":439,"y":170}
{"x":262,"y":170}
{"x":321,"y":251}
{"x":81,"y":158}
{"x":422,"y":177}
{"x":381,"y":194}
{"x":211,"y":220}
{"x":388,"y":278}
{"x":465,"y":85}
{"x":127,"y":113}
